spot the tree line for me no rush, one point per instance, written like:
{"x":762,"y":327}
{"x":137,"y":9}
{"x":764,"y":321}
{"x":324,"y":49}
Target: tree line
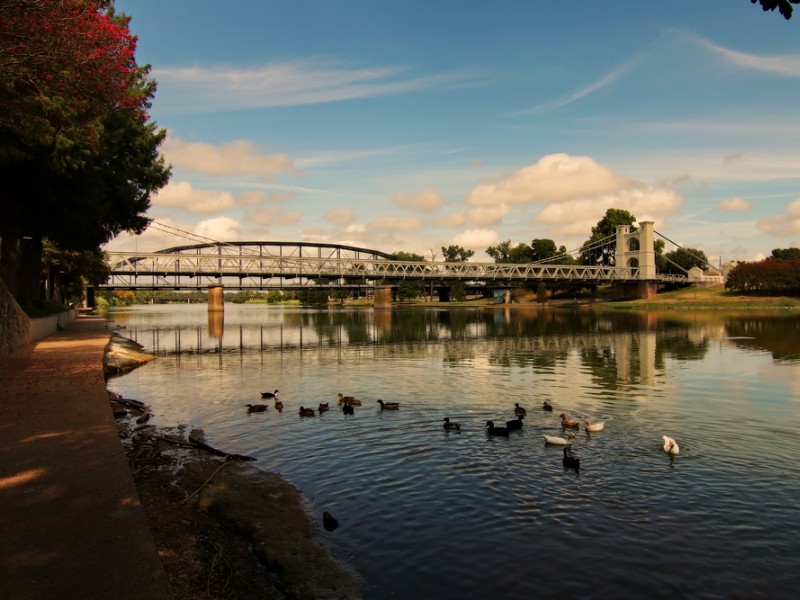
{"x":777,"y":274}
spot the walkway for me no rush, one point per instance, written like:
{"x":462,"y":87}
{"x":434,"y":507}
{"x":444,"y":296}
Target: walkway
{"x":70,"y":522}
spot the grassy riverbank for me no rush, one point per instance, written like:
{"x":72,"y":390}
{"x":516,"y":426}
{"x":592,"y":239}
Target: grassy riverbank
{"x":708,"y":298}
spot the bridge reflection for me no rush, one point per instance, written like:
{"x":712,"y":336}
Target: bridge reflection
{"x":616,"y":349}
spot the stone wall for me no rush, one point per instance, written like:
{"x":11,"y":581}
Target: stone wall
{"x":15,"y":327}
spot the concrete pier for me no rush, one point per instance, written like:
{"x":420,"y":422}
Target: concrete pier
{"x":216,"y":298}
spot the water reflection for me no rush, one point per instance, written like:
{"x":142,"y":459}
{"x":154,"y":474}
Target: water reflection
{"x":725,"y":386}
{"x":616,"y":348}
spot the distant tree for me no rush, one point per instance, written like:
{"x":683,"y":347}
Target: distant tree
{"x":681,"y":260}
{"x":408,"y":256}
{"x":409,"y":289}
{"x":542,"y":249}
{"x":506,"y":252}
{"x":456,"y":254}
{"x":457,"y":291}
{"x":596,"y":251}
{"x":784,"y":6}
{"x":786,"y":253}
{"x":541,"y":293}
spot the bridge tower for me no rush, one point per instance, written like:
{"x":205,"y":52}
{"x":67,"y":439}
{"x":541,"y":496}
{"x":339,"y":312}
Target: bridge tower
{"x":636,"y":249}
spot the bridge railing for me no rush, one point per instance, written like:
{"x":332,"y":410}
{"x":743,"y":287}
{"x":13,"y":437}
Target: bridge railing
{"x":126,"y":268}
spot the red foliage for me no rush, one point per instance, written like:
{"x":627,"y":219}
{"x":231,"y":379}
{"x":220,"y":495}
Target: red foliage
{"x":770,"y":276}
{"x":64,"y":64}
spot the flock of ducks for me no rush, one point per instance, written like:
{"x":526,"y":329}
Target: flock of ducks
{"x":346,"y":403}
{"x":568,"y":425}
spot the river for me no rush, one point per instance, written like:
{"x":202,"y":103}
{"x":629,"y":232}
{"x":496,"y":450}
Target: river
{"x":429,"y":513}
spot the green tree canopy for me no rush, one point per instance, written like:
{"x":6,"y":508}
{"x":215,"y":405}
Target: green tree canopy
{"x":542,"y":249}
{"x":598,"y":250}
{"x":78,"y":156}
{"x":681,"y":260}
{"x":456,"y":254}
{"x":786,"y":253}
{"x":507,"y":252}
{"x":409,"y":256}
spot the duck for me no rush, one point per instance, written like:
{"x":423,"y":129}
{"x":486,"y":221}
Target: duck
{"x":269,"y":394}
{"x":348,"y":409}
{"x":251,"y":408}
{"x":389,"y":405}
{"x":323,"y":407}
{"x":492,"y":430}
{"x":569,"y":423}
{"x":278,"y":405}
{"x":306,"y":412}
{"x":349,"y":400}
{"x":554,"y":440}
{"x":449,"y":425}
{"x":519,"y":410}
{"x":591,"y":427}
{"x":671,"y":446}
{"x":329,"y":522}
{"x":546,"y":405}
{"x":515,"y":423}
{"x":569,"y":461}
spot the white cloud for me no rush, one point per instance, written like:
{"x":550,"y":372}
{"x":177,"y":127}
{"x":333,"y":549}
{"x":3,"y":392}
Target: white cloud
{"x":483,"y":216}
{"x":201,"y":89}
{"x":604,"y":82}
{"x":426,"y":201}
{"x":787,"y":65}
{"x":554,"y":178}
{"x":183,"y":196}
{"x":783,"y":226}
{"x":476,"y":239}
{"x":274,"y":215}
{"x":341,"y":216}
{"x":734,"y":204}
{"x":396,"y":223}
{"x":239,"y":157}
{"x":221,"y":228}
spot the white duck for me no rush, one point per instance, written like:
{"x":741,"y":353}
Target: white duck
{"x":554,"y":440}
{"x":590,"y":427}
{"x":671,"y":446}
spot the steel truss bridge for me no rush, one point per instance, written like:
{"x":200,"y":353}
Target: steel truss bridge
{"x":293,"y":265}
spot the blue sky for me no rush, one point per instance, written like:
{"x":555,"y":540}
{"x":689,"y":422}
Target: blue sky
{"x":415,"y":125}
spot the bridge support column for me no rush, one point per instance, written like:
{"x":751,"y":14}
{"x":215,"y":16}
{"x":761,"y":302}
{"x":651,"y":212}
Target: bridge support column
{"x":383,"y":297}
{"x":216,"y":299}
{"x":444,"y":294}
{"x":638,"y":290}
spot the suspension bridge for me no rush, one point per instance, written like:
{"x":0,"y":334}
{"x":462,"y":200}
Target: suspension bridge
{"x":292,"y":265}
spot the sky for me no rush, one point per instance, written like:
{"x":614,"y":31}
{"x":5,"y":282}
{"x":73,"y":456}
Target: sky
{"x":414,"y":125}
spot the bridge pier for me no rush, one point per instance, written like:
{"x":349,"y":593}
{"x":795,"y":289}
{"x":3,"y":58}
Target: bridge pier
{"x":383,"y":297}
{"x":216,"y":298}
{"x":638,"y":290}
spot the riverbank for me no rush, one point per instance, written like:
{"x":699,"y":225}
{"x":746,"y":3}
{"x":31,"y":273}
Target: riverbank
{"x":98,"y":504}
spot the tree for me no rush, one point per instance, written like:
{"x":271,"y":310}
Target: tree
{"x":78,"y":157}
{"x":456,"y":254}
{"x":542,"y":249}
{"x":786,"y":253}
{"x":505,"y":252}
{"x":784,"y":6}
{"x":681,"y":260}
{"x":408,"y":256}
{"x":598,"y":250}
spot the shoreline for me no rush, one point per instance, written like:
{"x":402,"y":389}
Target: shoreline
{"x":223,"y":526}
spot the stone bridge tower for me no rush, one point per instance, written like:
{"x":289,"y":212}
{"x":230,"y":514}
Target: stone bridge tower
{"x":636,"y":249}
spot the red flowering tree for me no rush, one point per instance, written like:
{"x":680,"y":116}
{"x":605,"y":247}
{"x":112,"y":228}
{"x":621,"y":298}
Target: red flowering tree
{"x":78,"y":156}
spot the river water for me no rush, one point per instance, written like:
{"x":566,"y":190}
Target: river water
{"x":429,"y":513}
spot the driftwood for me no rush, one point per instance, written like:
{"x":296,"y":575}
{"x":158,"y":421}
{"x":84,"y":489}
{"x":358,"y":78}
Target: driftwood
{"x":210,"y":449}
